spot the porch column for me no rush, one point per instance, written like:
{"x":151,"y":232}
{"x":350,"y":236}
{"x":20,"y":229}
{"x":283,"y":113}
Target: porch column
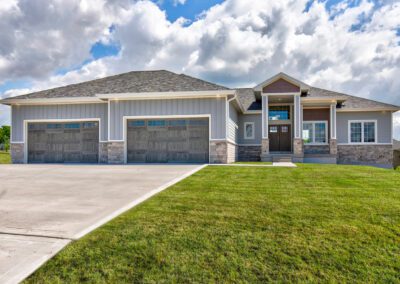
{"x":265,"y":140}
{"x":298,"y":141}
{"x":332,"y":140}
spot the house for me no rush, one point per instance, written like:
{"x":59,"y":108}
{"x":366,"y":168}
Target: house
{"x":160,"y":116}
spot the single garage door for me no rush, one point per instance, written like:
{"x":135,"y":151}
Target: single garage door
{"x":73,"y":142}
{"x":168,"y":140}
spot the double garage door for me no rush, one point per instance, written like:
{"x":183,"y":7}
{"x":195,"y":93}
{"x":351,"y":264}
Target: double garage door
{"x":73,"y":142}
{"x":148,"y":141}
{"x":168,"y":140}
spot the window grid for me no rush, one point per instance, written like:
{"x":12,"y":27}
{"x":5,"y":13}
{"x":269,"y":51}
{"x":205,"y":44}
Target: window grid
{"x":317,"y":132}
{"x":362,"y":132}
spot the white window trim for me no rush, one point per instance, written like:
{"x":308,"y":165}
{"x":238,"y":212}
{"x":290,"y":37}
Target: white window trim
{"x":313,"y":122}
{"x":245,"y":134}
{"x":362,"y":131}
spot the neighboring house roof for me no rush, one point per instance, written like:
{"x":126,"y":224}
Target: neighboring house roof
{"x":131,"y":82}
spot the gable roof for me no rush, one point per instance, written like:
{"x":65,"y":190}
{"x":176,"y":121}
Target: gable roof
{"x":131,"y":82}
{"x":284,"y":76}
{"x":247,"y":99}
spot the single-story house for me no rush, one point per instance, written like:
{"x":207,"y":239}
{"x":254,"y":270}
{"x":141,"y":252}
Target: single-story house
{"x":163,"y":117}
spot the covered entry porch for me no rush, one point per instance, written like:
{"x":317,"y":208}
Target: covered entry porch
{"x":296,"y":126}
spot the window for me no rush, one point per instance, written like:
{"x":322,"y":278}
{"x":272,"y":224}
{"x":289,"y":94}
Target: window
{"x":315,"y":132}
{"x":273,"y":129}
{"x":249,"y":130}
{"x":156,"y":123}
{"x":279,"y":113}
{"x":362,"y":131}
{"x":177,"y":123}
{"x":72,"y":126}
{"x":137,"y":123}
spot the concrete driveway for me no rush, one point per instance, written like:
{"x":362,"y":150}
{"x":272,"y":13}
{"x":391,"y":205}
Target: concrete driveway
{"x":44,"y":207}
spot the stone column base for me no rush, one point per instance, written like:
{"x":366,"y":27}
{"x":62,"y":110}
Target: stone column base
{"x":298,"y":148}
{"x":265,"y":157}
{"x":17,"y":153}
{"x":116,"y":153}
{"x":103,"y":153}
{"x":218,"y":152}
{"x":333,"y":147}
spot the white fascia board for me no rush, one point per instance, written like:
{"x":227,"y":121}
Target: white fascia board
{"x":166,"y":95}
{"x":319,"y":100}
{"x":367,"y":109}
{"x":46,"y":101}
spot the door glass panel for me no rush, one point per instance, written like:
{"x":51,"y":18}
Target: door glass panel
{"x":273,"y":129}
{"x":284,"y":129}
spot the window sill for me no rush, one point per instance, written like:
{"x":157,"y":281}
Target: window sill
{"x":316,"y":144}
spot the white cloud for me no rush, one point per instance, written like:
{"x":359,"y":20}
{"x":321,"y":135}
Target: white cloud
{"x":177,"y":2}
{"x":236,"y":43}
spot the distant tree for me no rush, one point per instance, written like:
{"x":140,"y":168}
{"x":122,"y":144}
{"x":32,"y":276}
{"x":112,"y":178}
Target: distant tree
{"x":5,"y":137}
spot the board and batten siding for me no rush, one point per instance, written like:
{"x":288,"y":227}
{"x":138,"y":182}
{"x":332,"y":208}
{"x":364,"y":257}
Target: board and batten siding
{"x":233,"y":127}
{"x":214,"y":107}
{"x":57,"y":112}
{"x":384,"y":124}
{"x":257,"y":120}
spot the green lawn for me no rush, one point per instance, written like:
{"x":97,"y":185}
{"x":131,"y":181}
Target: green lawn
{"x":315,"y":223}
{"x":5,"y":157}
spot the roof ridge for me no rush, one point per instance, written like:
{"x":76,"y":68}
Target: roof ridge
{"x":198,"y":79}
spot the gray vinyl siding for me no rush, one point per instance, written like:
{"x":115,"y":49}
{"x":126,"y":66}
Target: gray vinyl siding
{"x":214,"y":107}
{"x":69,"y":111}
{"x":233,"y":127}
{"x":384,"y":121}
{"x":257,"y":119}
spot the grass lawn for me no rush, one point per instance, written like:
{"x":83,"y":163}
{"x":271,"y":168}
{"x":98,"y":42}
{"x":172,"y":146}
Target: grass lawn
{"x":315,"y":223}
{"x":5,"y":157}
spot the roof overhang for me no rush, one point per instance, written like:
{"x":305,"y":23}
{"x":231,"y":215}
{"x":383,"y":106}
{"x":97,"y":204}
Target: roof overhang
{"x":166,"y":95}
{"x":48,"y":101}
{"x":101,"y":98}
{"x":303,"y":86}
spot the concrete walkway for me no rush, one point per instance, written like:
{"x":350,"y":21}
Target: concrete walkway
{"x":44,"y":207}
{"x":275,"y":164}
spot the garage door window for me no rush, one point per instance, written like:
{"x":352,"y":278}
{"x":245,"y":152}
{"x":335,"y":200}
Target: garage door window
{"x":54,"y":126}
{"x":198,"y":122}
{"x":156,"y":123}
{"x":137,"y":123}
{"x":177,"y":123}
{"x":72,"y":126}
{"x":90,"y":125}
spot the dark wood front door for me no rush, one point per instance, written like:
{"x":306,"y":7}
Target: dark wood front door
{"x":280,"y":138}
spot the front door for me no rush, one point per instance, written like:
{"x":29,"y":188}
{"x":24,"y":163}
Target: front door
{"x":280,"y":138}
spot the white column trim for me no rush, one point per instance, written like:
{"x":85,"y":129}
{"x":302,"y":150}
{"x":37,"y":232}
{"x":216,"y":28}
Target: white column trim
{"x":264,"y":117}
{"x":333,"y":124}
{"x":297,"y":117}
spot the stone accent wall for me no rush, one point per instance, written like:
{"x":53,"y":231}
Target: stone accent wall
{"x":103,"y":152}
{"x":366,"y":154}
{"x":249,"y":153}
{"x":17,"y":153}
{"x":232,"y":152}
{"x":333,"y":147}
{"x":316,"y":149}
{"x":298,"y":149}
{"x":116,"y":152}
{"x":218,"y":152}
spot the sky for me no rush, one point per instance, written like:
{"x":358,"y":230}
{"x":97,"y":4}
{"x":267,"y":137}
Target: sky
{"x":346,"y":46}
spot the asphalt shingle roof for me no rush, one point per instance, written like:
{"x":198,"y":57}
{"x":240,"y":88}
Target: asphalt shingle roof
{"x":131,"y":82}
